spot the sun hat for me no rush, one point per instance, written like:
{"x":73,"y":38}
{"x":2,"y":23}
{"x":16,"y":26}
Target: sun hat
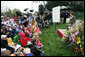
{"x":2,"y":16}
{"x":25,"y":15}
{"x":3,"y":49}
{"x":3,"y":36}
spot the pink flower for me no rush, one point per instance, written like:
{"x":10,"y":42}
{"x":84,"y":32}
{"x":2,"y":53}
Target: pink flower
{"x":73,"y":40}
{"x":70,"y":38}
{"x":72,"y":34}
{"x":76,"y":33}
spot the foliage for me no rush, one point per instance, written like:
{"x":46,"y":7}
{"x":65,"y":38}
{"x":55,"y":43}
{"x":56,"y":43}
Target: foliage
{"x":10,"y":12}
{"x":75,"y":5}
{"x":14,"y":11}
{"x":79,"y":15}
{"x":2,"y":13}
{"x":41,"y":9}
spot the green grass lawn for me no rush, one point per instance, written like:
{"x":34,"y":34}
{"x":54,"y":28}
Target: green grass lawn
{"x":52,"y":42}
{"x":79,"y":15}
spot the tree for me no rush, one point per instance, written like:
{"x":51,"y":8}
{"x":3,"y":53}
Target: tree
{"x":9,"y":12}
{"x":75,"y":5}
{"x":40,"y":1}
{"x":42,"y":6}
{"x":2,"y":13}
{"x":14,"y":11}
{"x":41,"y":9}
{"x":44,"y":2}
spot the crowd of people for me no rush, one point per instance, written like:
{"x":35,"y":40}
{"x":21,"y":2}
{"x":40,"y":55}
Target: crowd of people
{"x":66,"y":14}
{"x":20,"y":34}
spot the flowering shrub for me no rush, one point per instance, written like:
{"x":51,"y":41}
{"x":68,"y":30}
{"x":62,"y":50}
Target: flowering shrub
{"x":75,"y":38}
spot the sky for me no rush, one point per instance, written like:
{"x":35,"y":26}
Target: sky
{"x":21,"y":5}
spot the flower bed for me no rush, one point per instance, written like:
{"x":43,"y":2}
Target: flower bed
{"x":75,"y":37}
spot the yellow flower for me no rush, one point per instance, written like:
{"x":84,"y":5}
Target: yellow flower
{"x":63,"y":38}
{"x":78,"y":38}
{"x":71,"y":29}
{"x":80,"y":45}
{"x":83,"y":38}
{"x":83,"y":42}
{"x":65,"y":32}
{"x":81,"y":49}
{"x":78,"y":42}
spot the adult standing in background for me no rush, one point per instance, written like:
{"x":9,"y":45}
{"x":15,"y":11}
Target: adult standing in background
{"x":66,"y":14}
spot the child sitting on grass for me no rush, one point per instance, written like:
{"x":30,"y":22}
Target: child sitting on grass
{"x":16,"y":38}
{"x":34,"y":49}
{"x":24,"y":39}
{"x":4,"y":43}
{"x":36,"y":36}
{"x":37,"y":28}
{"x":13,"y":32}
{"x":20,"y":51}
{"x":10,"y":42}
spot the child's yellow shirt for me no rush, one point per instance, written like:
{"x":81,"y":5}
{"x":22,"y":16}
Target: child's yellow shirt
{"x":9,"y":40}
